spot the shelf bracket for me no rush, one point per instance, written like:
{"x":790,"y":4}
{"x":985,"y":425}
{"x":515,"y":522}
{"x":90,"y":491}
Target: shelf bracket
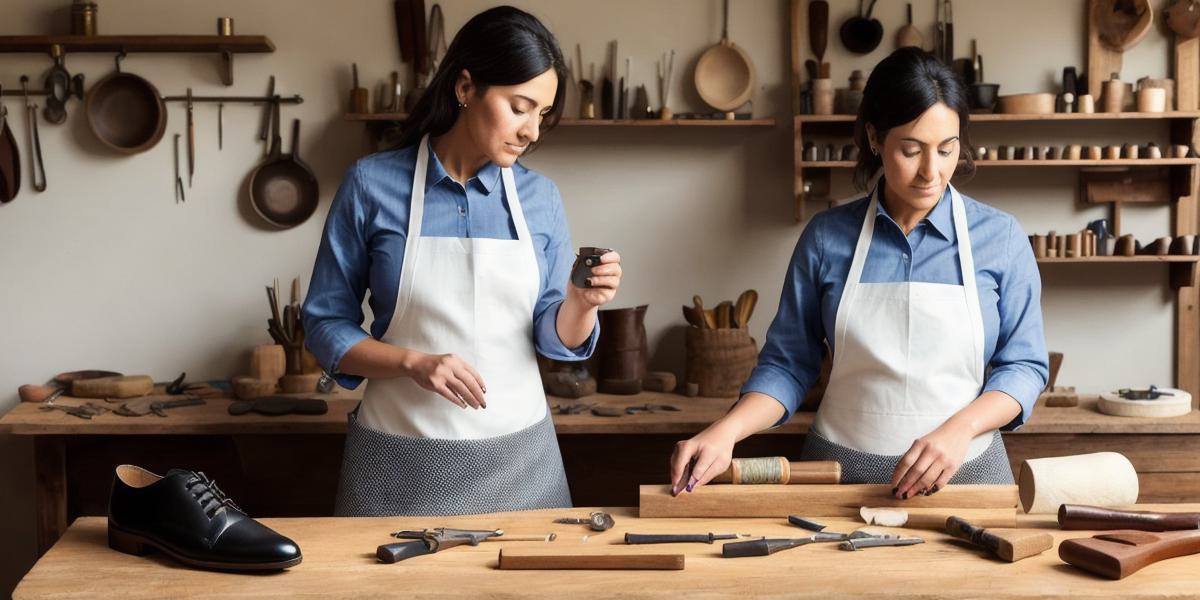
{"x":226,"y":67}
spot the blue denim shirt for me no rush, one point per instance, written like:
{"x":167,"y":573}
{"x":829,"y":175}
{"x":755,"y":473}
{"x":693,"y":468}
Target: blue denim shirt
{"x":363,"y":248}
{"x":1006,"y":274}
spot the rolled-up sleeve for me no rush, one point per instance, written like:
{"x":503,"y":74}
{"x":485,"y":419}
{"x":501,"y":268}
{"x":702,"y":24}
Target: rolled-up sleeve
{"x":790,"y":360}
{"x":332,"y":312}
{"x":559,"y":256}
{"x":1020,"y":366}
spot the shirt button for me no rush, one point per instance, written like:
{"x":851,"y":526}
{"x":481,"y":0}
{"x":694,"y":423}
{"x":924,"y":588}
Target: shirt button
{"x":907,"y":258}
{"x":462,"y":211}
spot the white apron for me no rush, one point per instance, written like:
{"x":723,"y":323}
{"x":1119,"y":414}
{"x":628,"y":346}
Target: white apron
{"x":907,"y":356}
{"x":409,"y":450}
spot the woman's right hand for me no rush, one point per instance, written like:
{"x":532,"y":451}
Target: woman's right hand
{"x":699,"y":459}
{"x":450,"y":376}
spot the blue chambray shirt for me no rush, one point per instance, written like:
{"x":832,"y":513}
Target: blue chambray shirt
{"x":363,"y":248}
{"x":1006,"y":274}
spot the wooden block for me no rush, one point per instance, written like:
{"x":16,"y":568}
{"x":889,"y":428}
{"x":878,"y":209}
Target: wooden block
{"x":268,"y":362}
{"x":125,"y":386}
{"x":810,"y":500}
{"x":1061,"y":396}
{"x":659,"y":381}
{"x":530,"y":558}
{"x":1010,"y":545}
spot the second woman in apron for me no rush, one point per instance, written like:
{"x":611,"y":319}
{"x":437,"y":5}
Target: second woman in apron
{"x":929,"y":300}
{"x":467,"y":256}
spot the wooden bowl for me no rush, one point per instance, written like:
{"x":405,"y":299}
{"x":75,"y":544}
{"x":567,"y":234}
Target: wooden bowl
{"x":249,"y":388}
{"x":1026,"y":104}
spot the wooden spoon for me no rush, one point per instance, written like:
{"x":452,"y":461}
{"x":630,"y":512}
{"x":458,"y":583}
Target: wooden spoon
{"x":745,"y":307}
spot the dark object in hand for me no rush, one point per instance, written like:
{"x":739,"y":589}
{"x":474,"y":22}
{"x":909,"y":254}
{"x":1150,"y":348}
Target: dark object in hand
{"x":582,"y":271}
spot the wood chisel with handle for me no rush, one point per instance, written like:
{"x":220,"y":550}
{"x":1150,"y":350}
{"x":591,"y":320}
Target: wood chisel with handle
{"x":765,"y":546}
{"x":1008,"y":545}
{"x":191,"y":141}
{"x":1076,"y":516}
{"x":674,"y":538}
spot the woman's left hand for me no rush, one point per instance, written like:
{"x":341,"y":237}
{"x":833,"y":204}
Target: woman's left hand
{"x":605,"y":279}
{"x":931,"y":461}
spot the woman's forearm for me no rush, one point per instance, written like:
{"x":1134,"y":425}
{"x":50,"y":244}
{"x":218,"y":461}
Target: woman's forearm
{"x":753,"y":413}
{"x":575,"y":322}
{"x":373,"y":358}
{"x":991,"y":410}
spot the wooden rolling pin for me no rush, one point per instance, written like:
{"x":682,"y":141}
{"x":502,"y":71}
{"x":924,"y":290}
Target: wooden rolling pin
{"x":1008,"y":545}
{"x":1076,"y":516}
{"x":1118,"y":555}
{"x":522,"y":558}
{"x":777,"y":469}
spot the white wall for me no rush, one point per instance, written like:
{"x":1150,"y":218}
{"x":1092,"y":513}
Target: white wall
{"x":104,"y":270}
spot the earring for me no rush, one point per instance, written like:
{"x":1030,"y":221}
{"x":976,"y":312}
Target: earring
{"x":874,"y":150}
{"x":462,"y":105}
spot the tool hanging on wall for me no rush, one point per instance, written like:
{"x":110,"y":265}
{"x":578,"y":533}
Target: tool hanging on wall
{"x":264,"y":130}
{"x":220,"y":126}
{"x":10,"y":159}
{"x":60,"y":86}
{"x":179,"y":196}
{"x":37,"y":167}
{"x":191,"y":141}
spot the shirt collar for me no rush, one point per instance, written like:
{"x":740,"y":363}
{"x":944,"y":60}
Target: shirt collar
{"x":486,"y":178}
{"x":941,"y":218}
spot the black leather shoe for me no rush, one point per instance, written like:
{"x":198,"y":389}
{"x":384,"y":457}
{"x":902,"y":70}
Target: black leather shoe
{"x":185,"y":515}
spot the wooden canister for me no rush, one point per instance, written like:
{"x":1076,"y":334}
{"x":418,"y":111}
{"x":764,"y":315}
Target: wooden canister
{"x":719,"y":361}
{"x":1085,"y":104}
{"x":822,"y":91}
{"x":1039,"y":245}
{"x":1112,"y":100}
{"x":1112,"y":153}
{"x":1152,"y":100}
{"x":268,"y":362}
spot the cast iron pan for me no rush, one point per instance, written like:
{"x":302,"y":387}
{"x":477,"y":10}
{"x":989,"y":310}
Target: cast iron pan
{"x":861,"y":34}
{"x":283,"y":190}
{"x":10,"y":160}
{"x":125,"y":112}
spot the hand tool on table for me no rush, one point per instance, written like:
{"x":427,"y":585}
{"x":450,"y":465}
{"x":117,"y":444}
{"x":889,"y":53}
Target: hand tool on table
{"x":777,"y":469}
{"x":83,"y":411}
{"x":279,"y":405}
{"x":674,"y":538}
{"x":541,"y":559}
{"x":597,"y":521}
{"x":264,"y":130}
{"x":1077,"y":516}
{"x":767,"y":546}
{"x":191,"y":141}
{"x":483,"y":535}
{"x":158,"y":405}
{"x":878,"y":542}
{"x":179,"y":195}
{"x":1008,"y":545}
{"x":805,"y":523}
{"x":1120,"y":554}
{"x":220,"y":126}
{"x":37,"y":167}
{"x":651,"y":408}
{"x":429,"y":541}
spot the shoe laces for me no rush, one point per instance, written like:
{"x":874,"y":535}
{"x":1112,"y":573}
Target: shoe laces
{"x":206,"y":492}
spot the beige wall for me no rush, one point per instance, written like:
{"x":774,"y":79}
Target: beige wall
{"x":104,"y":270}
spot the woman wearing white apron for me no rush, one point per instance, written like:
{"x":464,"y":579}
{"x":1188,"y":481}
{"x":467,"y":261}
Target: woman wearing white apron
{"x":467,"y":255}
{"x":916,"y":289}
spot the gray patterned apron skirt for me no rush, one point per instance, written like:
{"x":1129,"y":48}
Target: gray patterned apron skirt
{"x":385,"y":475}
{"x":990,"y":467}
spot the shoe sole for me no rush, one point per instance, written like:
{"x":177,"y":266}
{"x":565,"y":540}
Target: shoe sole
{"x":137,"y":545}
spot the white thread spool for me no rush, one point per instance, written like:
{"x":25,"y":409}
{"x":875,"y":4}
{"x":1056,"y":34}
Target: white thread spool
{"x":1099,"y":479}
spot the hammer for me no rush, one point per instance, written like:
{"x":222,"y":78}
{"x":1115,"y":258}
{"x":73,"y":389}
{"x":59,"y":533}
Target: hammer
{"x":1008,"y":545}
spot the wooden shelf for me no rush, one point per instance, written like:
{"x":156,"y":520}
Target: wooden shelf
{"x":1006,"y":118}
{"x":223,"y":46}
{"x":598,"y":122}
{"x":1121,"y":259}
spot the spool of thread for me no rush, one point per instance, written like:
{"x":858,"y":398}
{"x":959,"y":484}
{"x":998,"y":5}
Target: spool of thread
{"x":1132,"y":151}
{"x":1074,"y":152}
{"x":822,"y":90}
{"x":1060,"y":243}
{"x":225,"y":27}
{"x":1099,"y":479}
{"x":1112,"y":153}
{"x":1085,"y":104}
{"x":1112,"y":99}
{"x":1073,"y":245}
{"x":1030,"y":153}
{"x":1039,"y":245}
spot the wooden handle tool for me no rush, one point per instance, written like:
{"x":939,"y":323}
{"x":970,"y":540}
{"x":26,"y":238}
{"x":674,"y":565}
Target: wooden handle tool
{"x":1075,"y":516}
{"x":527,"y":558}
{"x":1123,"y":553}
{"x":777,"y":469}
{"x":1008,"y":545}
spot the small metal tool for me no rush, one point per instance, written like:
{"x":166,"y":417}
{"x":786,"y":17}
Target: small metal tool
{"x":179,"y":196}
{"x":598,"y":521}
{"x":879,"y":541}
{"x":672,"y":538}
{"x":83,"y":411}
{"x":765,"y":547}
{"x":1151,"y":394}
{"x":805,"y":523}
{"x":220,"y":126}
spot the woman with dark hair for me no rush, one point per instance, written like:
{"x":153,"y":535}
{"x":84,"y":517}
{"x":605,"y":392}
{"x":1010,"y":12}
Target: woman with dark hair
{"x":929,"y":301}
{"x":467,"y":255}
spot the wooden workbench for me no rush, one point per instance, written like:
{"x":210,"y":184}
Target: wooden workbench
{"x":339,"y":563}
{"x":287,"y":466}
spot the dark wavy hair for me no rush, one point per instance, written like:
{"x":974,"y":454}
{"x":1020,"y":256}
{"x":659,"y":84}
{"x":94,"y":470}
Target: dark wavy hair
{"x":900,"y":88}
{"x":499,"y":46}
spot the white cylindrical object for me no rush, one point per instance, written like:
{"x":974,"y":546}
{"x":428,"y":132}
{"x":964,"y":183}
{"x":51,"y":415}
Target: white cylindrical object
{"x":1177,"y":404}
{"x":1099,"y":479}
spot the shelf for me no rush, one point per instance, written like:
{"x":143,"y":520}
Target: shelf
{"x":992,"y":117}
{"x":1183,"y":268}
{"x":598,"y":122}
{"x":223,"y":46}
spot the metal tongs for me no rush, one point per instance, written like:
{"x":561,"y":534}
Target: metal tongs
{"x":429,"y":541}
{"x":1151,"y":394}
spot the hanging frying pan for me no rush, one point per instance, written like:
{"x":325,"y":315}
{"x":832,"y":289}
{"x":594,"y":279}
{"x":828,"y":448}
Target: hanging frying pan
{"x":1122,"y":23}
{"x":861,"y":34}
{"x":125,"y":112}
{"x":1183,"y":18}
{"x":725,"y":77}
{"x":10,"y":159}
{"x":283,"y":190}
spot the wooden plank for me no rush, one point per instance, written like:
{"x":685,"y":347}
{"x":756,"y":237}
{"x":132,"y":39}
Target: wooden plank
{"x":656,"y":501}
{"x":1187,"y":72}
{"x":137,"y":43}
{"x":540,"y":558}
{"x":50,"y":491}
{"x":339,"y":563}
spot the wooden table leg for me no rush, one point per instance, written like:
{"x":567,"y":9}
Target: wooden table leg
{"x":50,"y":470}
